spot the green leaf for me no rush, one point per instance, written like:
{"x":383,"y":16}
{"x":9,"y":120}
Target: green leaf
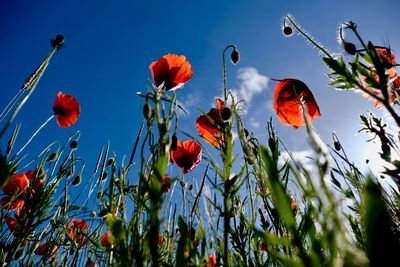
{"x":117,"y":230}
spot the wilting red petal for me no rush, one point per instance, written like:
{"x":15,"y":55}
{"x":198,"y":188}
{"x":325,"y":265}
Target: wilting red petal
{"x":105,"y":241}
{"x":77,"y":229}
{"x":171,"y":69}
{"x":11,"y":204}
{"x":165,"y":184}
{"x":46,"y":248}
{"x":67,"y":110}
{"x":386,"y":56}
{"x":287,"y":96}
{"x":17,"y":183}
{"x":187,"y":155}
{"x":11,"y":222}
{"x":209,"y":126}
{"x":211,"y":261}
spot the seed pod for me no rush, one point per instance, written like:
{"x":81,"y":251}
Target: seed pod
{"x":235,"y":56}
{"x":73,"y":144}
{"x":287,"y":31}
{"x":350,"y":48}
{"x":226,"y":114}
{"x":174,"y":143}
{"x":147,"y":111}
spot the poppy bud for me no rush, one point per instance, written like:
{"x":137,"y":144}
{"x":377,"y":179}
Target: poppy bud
{"x":272,"y":144}
{"x":110,"y":162}
{"x":174,"y":143}
{"x":147,"y":111}
{"x":104,"y":176}
{"x":287,"y":31}
{"x":226,"y":113}
{"x":93,"y":214}
{"x":164,"y":127}
{"x":77,"y":180}
{"x":103,"y":213}
{"x":350,"y":48}
{"x":73,"y":144}
{"x":52,"y":156}
{"x":235,"y":56}
{"x":58,"y":42}
{"x":337,"y":145}
{"x":245,"y":132}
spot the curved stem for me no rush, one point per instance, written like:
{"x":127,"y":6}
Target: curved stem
{"x":224,"y":69}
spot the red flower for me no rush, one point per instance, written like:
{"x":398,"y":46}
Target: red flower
{"x":18,"y":183}
{"x":187,"y":155}
{"x":11,"y":204}
{"x":45,"y":248}
{"x":165,"y":184}
{"x":105,"y":240}
{"x":209,"y":125}
{"x":263,"y":246}
{"x":386,"y":56}
{"x":287,"y":97}
{"x":67,"y":110}
{"x":77,"y":230}
{"x":211,"y":261}
{"x":171,"y":69}
{"x":11,"y":222}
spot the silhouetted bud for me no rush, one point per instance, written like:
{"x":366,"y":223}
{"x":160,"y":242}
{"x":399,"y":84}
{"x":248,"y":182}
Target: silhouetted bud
{"x":174,"y":143}
{"x":246,"y":132}
{"x":235,"y":56}
{"x":58,"y":42}
{"x":52,"y":156}
{"x":73,"y":144}
{"x":287,"y":31}
{"x":272,"y":144}
{"x":147,"y":111}
{"x":77,"y":180}
{"x":104,"y":176}
{"x":350,"y":48}
{"x":337,"y":145}
{"x":226,"y":113}
{"x":110,"y":161}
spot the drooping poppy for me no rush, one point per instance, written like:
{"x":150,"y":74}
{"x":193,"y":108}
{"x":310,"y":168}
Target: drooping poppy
{"x":165,"y":184}
{"x":386,"y":56}
{"x":67,"y":110}
{"x":172,"y":70}
{"x":210,"y":125}
{"x":77,"y":230}
{"x":187,"y":156}
{"x":290,"y":96}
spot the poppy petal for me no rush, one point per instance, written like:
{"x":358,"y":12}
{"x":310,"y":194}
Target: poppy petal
{"x":11,"y":204}
{"x":17,"y":183}
{"x":67,"y":110}
{"x":187,"y":155}
{"x":172,"y":70}
{"x":287,"y":96}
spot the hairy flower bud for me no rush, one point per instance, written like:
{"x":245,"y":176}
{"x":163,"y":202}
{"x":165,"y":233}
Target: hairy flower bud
{"x":73,"y":144}
{"x":226,"y":113}
{"x":147,"y":111}
{"x":288,"y":31}
{"x":58,"y":42}
{"x":350,"y":48}
{"x":174,"y":143}
{"x":77,"y":180}
{"x":235,"y":56}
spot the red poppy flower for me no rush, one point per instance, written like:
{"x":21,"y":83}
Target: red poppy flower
{"x":172,"y":70}
{"x":287,"y":96}
{"x":209,"y":125}
{"x":11,"y":204}
{"x":263,"y":246}
{"x":211,"y":261}
{"x":105,"y":241}
{"x":77,"y":229}
{"x":11,"y":222}
{"x":165,"y":184}
{"x":386,"y":56}
{"x":46,"y":248}
{"x":187,"y":155}
{"x":18,"y":183}
{"x":67,"y":110}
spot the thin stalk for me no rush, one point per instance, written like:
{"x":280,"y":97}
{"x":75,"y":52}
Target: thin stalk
{"x":34,"y":135}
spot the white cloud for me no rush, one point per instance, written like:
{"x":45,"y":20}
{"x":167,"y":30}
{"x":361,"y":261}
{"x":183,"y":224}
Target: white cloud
{"x":303,"y":158}
{"x":251,"y":82}
{"x":254,"y":123}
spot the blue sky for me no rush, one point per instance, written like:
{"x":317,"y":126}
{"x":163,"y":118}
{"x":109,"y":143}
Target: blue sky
{"x":110,"y":44}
